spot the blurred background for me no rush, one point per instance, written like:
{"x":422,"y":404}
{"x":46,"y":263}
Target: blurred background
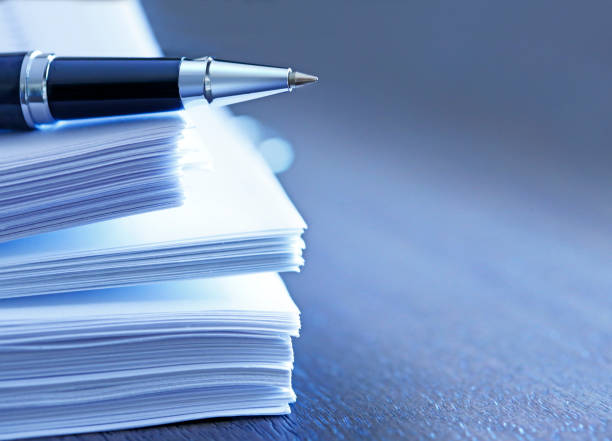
{"x":453,"y":164}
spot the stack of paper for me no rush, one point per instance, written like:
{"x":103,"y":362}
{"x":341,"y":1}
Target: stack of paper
{"x":79,"y":173}
{"x":235,"y":219}
{"x":96,"y":354}
{"x":145,"y":355}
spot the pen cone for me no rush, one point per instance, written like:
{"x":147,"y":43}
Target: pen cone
{"x":298,"y":79}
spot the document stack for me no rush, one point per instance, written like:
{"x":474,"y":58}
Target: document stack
{"x":86,"y":172}
{"x":131,"y":357}
{"x":234,"y":219}
{"x":139,"y":255}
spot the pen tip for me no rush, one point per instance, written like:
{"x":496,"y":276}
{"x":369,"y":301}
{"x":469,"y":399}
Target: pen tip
{"x":298,"y":79}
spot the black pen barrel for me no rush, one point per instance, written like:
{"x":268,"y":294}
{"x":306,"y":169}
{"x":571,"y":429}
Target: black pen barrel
{"x":11,"y":115}
{"x":94,"y":87}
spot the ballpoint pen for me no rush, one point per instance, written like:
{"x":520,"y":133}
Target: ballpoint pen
{"x":38,"y":88}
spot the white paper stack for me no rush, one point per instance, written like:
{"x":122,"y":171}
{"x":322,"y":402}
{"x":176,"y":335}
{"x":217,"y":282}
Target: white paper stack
{"x":74,"y":174}
{"x":145,"y":355}
{"x":235,"y":219}
{"x":90,"y":359}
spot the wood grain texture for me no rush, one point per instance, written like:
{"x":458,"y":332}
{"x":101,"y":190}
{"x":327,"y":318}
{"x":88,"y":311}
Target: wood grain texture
{"x":458,"y":283}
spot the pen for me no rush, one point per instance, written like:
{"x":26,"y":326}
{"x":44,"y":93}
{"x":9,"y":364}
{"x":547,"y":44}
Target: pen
{"x":38,"y":88}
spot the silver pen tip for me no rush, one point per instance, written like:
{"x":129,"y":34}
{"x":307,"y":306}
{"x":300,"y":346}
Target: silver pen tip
{"x":299,"y":79}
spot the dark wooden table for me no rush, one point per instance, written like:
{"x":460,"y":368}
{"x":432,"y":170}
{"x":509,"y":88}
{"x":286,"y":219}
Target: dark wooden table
{"x":454,"y":165}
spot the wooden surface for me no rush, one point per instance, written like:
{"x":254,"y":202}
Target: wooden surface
{"x":458,"y":282}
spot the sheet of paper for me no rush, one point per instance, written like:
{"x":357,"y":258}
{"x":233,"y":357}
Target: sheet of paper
{"x":115,"y":28}
{"x":247,"y":293}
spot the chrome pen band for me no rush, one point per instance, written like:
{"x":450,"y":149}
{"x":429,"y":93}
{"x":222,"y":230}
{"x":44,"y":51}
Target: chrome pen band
{"x":223,"y":82}
{"x":194,"y":80}
{"x":33,"y":88}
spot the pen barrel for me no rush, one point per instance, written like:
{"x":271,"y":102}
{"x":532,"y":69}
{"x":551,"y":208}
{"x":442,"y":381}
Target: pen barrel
{"x":94,"y":87}
{"x":11,"y":114}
